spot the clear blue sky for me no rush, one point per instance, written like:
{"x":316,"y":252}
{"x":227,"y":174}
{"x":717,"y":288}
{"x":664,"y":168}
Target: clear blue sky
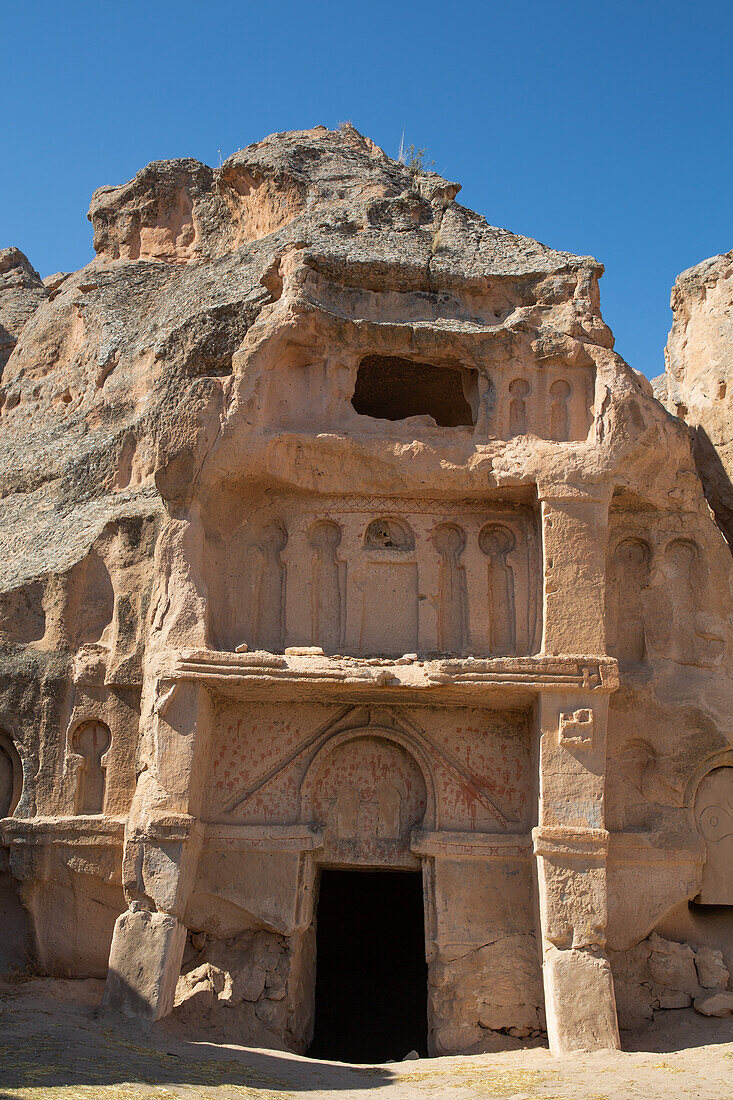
{"x":601,"y":128}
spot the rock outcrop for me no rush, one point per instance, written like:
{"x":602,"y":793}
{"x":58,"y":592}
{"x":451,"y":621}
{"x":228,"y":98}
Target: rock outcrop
{"x":21,"y":293}
{"x":698,"y":383}
{"x":336,"y":537}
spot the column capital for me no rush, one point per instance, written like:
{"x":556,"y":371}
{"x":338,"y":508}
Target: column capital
{"x":559,"y":842}
{"x":562,"y":491}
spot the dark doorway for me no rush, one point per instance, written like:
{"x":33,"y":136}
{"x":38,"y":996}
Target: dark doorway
{"x":371,"y":974}
{"x":390,"y":388}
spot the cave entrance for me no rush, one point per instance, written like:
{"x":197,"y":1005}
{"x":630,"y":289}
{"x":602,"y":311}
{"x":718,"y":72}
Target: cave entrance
{"x":371,"y":974}
{"x":390,"y":388}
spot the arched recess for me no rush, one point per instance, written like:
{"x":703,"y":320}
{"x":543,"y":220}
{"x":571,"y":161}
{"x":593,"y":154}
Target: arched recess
{"x":11,"y":775}
{"x":408,"y":745}
{"x":90,"y":742}
{"x":713,"y":807}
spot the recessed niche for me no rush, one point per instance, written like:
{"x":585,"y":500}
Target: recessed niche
{"x":390,"y":388}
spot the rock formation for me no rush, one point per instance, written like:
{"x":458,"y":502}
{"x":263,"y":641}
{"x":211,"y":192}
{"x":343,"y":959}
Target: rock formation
{"x":336,"y":537}
{"x":698,"y":383}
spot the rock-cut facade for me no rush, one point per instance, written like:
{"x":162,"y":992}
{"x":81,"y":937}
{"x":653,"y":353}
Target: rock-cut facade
{"x":334,"y":535}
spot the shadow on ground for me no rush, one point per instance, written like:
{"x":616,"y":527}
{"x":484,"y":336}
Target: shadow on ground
{"x":71,"y":1047}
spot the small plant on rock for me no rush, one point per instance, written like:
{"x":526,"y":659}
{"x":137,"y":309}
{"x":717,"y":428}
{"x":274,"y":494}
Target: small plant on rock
{"x":414,"y":158}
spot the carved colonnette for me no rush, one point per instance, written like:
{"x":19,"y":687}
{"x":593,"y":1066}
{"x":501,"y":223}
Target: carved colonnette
{"x":662,"y":605}
{"x":382,"y":577}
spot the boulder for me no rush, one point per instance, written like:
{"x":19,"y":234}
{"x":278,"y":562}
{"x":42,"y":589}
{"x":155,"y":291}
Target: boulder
{"x":714,"y":1004}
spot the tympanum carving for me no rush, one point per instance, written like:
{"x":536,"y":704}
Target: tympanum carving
{"x":714,"y":813}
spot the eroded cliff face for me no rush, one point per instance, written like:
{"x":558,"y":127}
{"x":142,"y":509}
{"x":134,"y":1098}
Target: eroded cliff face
{"x":334,"y":533}
{"x":698,"y":383}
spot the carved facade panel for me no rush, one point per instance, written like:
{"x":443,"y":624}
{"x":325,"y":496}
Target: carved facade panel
{"x":381,"y":577}
{"x":551,"y":402}
{"x":452,"y":768}
{"x":343,"y":389}
{"x":660,"y":601}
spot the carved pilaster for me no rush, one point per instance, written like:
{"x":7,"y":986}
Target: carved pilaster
{"x":571,"y":846}
{"x":162,"y":845}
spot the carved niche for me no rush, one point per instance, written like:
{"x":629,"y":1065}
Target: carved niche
{"x":368,"y":792}
{"x":450,"y":542}
{"x":328,"y":586}
{"x":628,"y":578}
{"x":11,"y":776}
{"x":658,"y":599}
{"x":90,"y":743}
{"x":256,"y":579}
{"x":424,"y":577}
{"x":498,"y":542}
{"x":714,"y":814}
{"x":389,"y":623}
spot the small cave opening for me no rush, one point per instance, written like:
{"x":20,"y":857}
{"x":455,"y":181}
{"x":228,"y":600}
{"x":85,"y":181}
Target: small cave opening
{"x":371,"y":973}
{"x":391,"y":388}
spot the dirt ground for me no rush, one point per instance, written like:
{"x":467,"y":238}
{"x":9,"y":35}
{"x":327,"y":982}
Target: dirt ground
{"x":55,"y":1045}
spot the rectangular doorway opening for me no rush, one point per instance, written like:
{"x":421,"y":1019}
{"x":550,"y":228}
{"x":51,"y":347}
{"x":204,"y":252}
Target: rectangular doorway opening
{"x":371,"y":974}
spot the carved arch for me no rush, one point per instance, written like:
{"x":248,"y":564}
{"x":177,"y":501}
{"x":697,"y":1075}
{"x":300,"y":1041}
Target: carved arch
{"x":389,"y":533}
{"x":721,"y":759}
{"x":11,"y":775}
{"x":396,"y":737}
{"x":90,"y":743}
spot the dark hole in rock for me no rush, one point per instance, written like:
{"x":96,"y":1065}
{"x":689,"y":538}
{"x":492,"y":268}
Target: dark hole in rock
{"x":390,"y":388}
{"x":371,"y":974}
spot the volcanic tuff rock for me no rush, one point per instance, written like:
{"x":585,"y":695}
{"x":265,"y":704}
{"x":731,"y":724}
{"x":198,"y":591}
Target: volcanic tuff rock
{"x":335,"y":534}
{"x":698,"y":383}
{"x":21,"y":293}
{"x":118,"y":386}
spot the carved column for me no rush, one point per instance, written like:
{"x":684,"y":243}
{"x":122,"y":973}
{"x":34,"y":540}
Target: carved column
{"x":162,"y":845}
{"x":574,"y":536}
{"x":570,"y":842}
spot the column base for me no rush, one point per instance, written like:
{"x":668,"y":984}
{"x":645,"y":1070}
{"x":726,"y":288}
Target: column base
{"x":144,"y":964}
{"x":579,"y":1001}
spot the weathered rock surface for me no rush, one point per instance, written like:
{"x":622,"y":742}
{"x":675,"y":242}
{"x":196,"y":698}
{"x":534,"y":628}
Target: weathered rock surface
{"x":659,"y":973}
{"x":698,"y":383}
{"x":714,"y":1004}
{"x":21,"y":293}
{"x":334,"y":535}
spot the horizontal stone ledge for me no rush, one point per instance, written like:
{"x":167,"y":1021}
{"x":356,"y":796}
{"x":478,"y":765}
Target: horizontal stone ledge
{"x":650,"y":847}
{"x":487,"y":846}
{"x":86,"y":829}
{"x":560,"y":842}
{"x":261,"y":673}
{"x":267,"y":838}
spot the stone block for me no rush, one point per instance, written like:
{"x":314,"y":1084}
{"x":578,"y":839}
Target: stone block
{"x":144,"y":964}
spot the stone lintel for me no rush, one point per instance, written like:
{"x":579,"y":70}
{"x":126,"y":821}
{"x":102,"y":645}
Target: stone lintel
{"x":263,"y":838}
{"x":483,"y":846}
{"x":472,"y":681}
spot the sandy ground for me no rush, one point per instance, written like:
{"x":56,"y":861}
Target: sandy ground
{"x":55,"y":1045}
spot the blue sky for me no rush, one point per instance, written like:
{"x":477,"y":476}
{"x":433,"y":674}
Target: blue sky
{"x":598,"y":128}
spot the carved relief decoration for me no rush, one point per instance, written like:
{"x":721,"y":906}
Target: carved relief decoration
{"x":659,"y":602}
{"x":714,"y":814}
{"x":439,"y":579}
{"x":90,"y":743}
